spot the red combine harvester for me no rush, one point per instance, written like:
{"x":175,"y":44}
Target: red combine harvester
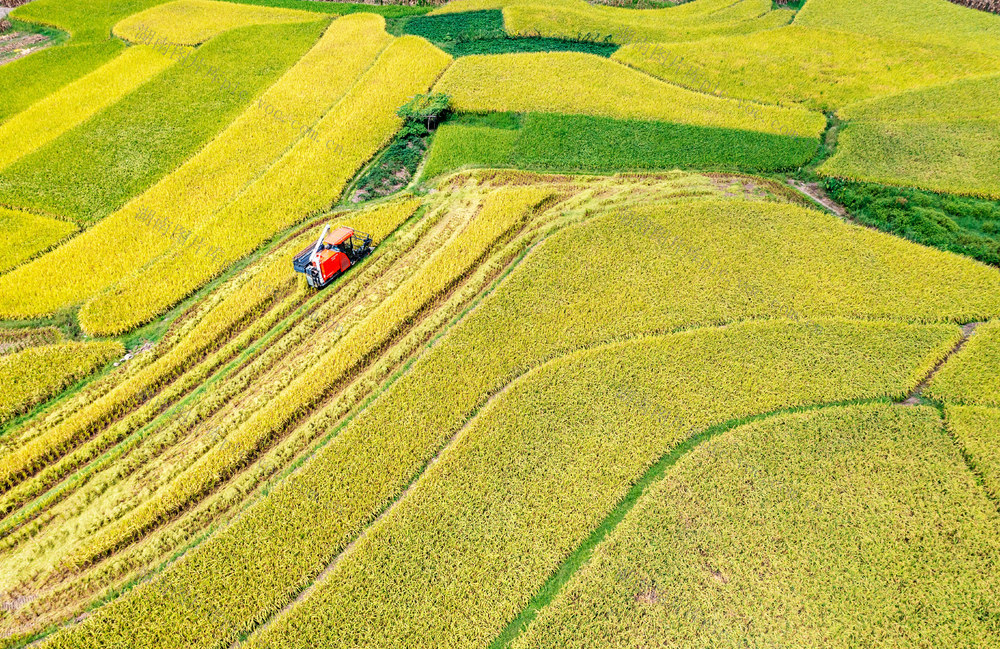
{"x":332,"y":254}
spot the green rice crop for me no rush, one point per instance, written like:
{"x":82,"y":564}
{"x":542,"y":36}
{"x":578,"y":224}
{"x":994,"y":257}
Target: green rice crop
{"x":843,"y":527}
{"x":554,"y":302}
{"x":27,"y":80}
{"x":73,"y":104}
{"x":555,"y":142}
{"x":93,"y":169}
{"x":541,"y":465}
{"x":965,"y":225}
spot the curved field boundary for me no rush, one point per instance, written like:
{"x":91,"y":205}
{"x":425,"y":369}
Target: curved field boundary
{"x":748,"y":528}
{"x":977,"y":431}
{"x":973,"y":377}
{"x":517,"y":531}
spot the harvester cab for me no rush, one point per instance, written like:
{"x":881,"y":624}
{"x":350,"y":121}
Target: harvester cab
{"x":332,"y":254}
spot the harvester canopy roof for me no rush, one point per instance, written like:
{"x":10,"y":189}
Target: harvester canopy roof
{"x":339,"y":236}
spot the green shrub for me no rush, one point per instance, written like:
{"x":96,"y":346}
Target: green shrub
{"x":967,"y":226}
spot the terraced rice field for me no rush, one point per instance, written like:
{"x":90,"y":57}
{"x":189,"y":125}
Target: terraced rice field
{"x":614,"y":372}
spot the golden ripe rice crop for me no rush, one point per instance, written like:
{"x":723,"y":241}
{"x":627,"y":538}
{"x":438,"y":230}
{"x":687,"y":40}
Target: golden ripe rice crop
{"x":675,"y":330}
{"x":527,"y":482}
{"x":624,"y":26}
{"x":965,"y":99}
{"x":502,"y":211}
{"x":928,"y":21}
{"x":803,"y":66}
{"x":957,"y":157}
{"x":571,"y":82}
{"x":32,"y":375}
{"x":191,"y":22}
{"x":977,"y":429}
{"x":744,"y":524}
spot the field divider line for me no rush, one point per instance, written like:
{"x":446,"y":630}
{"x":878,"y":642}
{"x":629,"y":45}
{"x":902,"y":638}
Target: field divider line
{"x":914,"y":398}
{"x":581,"y":555}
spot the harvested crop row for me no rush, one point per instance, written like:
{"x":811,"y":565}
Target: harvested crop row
{"x":575,"y":83}
{"x":33,"y":375}
{"x":977,"y":429}
{"x":801,"y":66}
{"x":241,"y":613}
{"x":502,"y":211}
{"x":185,"y":199}
{"x":192,"y":22}
{"x":75,"y":103}
{"x":14,"y":340}
{"x":218,"y":324}
{"x":24,"y":235}
{"x":961,"y":157}
{"x":972,"y":376}
{"x":266,"y":288}
{"x":743,"y":543}
{"x":92,"y":170}
{"x":542,"y":465}
{"x":307,"y":180}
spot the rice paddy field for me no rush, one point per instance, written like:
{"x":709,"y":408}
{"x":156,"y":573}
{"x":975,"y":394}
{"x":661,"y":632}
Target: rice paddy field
{"x":662,"y":325}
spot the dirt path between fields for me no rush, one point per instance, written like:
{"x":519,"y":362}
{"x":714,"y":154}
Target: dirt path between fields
{"x":818,"y":195}
{"x":914,"y":397}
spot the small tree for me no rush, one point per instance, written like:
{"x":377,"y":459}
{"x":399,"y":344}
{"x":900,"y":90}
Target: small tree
{"x":429,"y":109}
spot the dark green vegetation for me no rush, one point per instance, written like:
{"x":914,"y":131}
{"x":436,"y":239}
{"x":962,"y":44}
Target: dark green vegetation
{"x":25,"y":81}
{"x":92,"y":170}
{"x":394,"y":168}
{"x":482,"y":32}
{"x":968,"y":226}
{"x":554,"y":142}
